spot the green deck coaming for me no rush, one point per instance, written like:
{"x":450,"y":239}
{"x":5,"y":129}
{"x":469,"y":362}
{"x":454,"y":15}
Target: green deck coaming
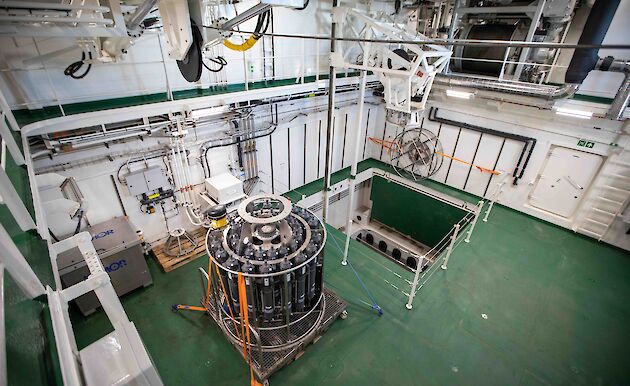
{"x":26,"y":116}
{"x":418,"y":216}
{"x":556,"y":306}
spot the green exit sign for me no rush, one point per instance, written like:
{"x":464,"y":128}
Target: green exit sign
{"x":585,"y":143}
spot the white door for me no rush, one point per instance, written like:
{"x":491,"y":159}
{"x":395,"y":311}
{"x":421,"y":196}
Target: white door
{"x":564,"y":180}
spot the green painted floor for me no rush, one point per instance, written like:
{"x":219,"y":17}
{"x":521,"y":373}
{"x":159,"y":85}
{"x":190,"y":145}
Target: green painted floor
{"x":555,"y":304}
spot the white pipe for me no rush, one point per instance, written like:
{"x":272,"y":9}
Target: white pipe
{"x":176,"y":177}
{"x":353,"y":168}
{"x":182,"y":173}
{"x":189,"y":177}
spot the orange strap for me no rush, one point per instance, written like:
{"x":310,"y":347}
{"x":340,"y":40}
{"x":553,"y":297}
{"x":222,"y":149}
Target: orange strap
{"x":242,"y":295}
{"x":390,"y":145}
{"x":480,"y":168}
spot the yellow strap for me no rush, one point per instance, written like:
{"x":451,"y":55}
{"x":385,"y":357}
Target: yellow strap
{"x":249,"y":43}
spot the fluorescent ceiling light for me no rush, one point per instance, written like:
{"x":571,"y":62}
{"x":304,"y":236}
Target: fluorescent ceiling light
{"x":459,"y":94}
{"x":195,"y":114}
{"x":574,"y":113}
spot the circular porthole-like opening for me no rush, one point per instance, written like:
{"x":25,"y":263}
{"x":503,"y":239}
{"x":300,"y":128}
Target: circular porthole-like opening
{"x":369,"y":239}
{"x":396,"y":253}
{"x":358,"y":218}
{"x":411,"y":262}
{"x":382,"y":246}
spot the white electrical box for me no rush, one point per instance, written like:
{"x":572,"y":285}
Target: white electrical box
{"x":146,"y":181}
{"x":224,"y":188}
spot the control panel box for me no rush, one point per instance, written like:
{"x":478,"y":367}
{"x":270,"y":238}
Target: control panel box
{"x":146,"y":181}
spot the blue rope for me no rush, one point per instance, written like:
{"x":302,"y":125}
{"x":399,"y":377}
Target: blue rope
{"x":374,"y":305}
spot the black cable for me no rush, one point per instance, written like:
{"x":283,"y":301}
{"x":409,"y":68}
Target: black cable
{"x":53,"y":235}
{"x":73,"y":68}
{"x":219,"y":61}
{"x":304,"y":7}
{"x":76,"y":230}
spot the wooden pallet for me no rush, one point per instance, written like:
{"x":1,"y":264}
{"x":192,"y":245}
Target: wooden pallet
{"x":169,"y":263}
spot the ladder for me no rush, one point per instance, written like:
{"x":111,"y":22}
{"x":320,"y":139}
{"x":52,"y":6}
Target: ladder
{"x":268,"y":71}
{"x":609,"y":198}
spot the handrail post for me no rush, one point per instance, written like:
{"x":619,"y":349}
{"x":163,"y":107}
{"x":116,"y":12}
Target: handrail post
{"x":472,"y":227}
{"x":414,"y":285}
{"x":450,"y":246}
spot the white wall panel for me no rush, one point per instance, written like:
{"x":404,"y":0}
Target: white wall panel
{"x":465,"y":151}
{"x":280,"y":158}
{"x":448,"y":137}
{"x":312,"y":148}
{"x":322,"y":146}
{"x":264,"y":163}
{"x":296,"y":154}
{"x":487,"y":156}
{"x":338,"y":134}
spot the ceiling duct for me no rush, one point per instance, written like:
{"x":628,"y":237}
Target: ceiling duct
{"x":521,"y":89}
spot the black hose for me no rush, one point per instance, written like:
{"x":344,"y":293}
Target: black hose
{"x":220,"y":60}
{"x":76,"y":230}
{"x":304,"y":7}
{"x":73,"y":68}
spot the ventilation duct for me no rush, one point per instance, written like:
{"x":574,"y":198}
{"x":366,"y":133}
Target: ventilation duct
{"x":521,"y":89}
{"x":597,"y":23}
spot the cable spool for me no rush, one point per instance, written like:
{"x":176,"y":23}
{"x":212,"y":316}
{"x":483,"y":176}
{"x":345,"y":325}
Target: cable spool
{"x":493,"y":31}
{"x":415,"y":153}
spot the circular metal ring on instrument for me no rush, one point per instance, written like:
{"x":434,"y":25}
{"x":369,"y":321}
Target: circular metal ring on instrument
{"x":245,"y":208}
{"x":307,"y":238}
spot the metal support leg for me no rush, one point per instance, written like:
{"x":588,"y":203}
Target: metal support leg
{"x":353,"y":168}
{"x":14,"y":203}
{"x":329,"y":126}
{"x":414,"y":285}
{"x":529,"y":38}
{"x":472,"y":227}
{"x":450,"y":246}
{"x":18,"y":267}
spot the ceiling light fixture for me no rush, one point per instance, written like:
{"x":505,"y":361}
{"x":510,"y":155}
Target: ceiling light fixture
{"x":459,"y":94}
{"x":574,"y":113}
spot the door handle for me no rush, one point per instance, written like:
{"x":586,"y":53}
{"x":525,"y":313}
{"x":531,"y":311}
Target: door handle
{"x":573,"y":183}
